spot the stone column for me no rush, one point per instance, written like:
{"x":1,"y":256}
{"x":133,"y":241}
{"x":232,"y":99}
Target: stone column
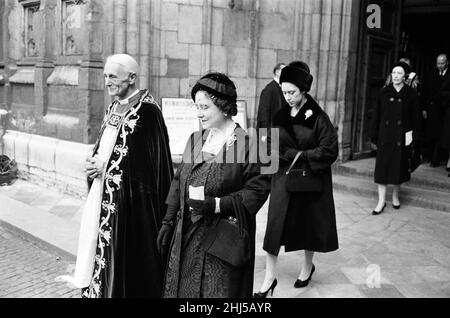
{"x":2,"y":76}
{"x":155,"y":49}
{"x":120,"y":26}
{"x":2,"y":55}
{"x":44,"y":65}
{"x":132,"y":31}
{"x":145,"y":43}
{"x":9,"y":58}
{"x":206,"y":36}
{"x":347,"y":74}
{"x":253,"y":63}
{"x":327,"y":43}
{"x":91,"y":73}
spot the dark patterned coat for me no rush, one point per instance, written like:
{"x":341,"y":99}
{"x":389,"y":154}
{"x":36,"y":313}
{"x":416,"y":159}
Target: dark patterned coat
{"x":395,"y":114}
{"x":247,"y":187}
{"x":303,"y":220}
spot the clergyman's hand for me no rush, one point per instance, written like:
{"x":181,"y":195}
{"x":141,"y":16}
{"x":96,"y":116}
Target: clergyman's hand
{"x":93,"y":167}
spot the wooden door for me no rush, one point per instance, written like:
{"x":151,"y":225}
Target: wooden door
{"x":376,"y":53}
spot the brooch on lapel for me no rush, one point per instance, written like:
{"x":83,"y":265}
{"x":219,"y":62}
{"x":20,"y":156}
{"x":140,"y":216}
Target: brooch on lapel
{"x":308,"y":114}
{"x":231,"y":140}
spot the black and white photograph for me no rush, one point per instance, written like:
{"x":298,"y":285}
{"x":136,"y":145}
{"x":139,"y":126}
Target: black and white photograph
{"x":224,"y":149}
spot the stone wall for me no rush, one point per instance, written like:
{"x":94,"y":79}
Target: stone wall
{"x":53,"y":53}
{"x":189,"y":38}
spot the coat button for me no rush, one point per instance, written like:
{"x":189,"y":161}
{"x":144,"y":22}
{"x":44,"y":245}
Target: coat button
{"x":391,"y":99}
{"x":399,"y":100}
{"x":387,"y":122}
{"x":399,"y":122}
{"x":399,"y":143}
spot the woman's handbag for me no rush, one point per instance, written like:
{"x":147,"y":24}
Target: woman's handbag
{"x":230,"y":244}
{"x":302,"y":180}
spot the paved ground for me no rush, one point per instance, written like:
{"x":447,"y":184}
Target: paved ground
{"x":400,"y":253}
{"x":28,"y":270}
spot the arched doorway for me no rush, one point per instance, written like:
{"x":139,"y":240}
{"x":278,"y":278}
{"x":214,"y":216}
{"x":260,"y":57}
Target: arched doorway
{"x":413,"y":28}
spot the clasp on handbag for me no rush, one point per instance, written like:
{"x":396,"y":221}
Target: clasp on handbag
{"x":232,"y":220}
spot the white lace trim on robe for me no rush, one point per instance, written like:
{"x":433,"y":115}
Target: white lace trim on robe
{"x":87,"y":241}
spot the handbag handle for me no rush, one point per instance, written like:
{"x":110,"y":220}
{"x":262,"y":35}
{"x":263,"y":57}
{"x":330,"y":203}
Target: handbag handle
{"x":293,"y":162}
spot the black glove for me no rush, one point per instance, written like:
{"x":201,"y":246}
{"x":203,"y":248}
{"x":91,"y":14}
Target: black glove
{"x":164,"y":236}
{"x":226,"y":206}
{"x":290,"y":154}
{"x":202,"y":207}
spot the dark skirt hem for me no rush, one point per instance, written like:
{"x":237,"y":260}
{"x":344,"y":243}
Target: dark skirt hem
{"x":295,"y":249}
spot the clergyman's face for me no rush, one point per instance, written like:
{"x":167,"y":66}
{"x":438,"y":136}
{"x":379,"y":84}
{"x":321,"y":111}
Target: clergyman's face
{"x":117,"y":80}
{"x":441,"y":63}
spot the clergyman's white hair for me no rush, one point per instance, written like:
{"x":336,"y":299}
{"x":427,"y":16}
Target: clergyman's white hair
{"x":126,"y":61}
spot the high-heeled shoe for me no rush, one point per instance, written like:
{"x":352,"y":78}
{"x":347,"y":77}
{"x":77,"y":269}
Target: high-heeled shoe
{"x":374,"y":212}
{"x":264,"y":294}
{"x":303,"y":283}
{"x":396,"y":206}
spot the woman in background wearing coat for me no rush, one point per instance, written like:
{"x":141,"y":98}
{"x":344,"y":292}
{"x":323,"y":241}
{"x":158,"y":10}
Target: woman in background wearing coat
{"x":300,"y":221}
{"x":396,"y":124}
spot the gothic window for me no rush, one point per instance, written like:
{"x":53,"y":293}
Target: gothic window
{"x":73,"y":33}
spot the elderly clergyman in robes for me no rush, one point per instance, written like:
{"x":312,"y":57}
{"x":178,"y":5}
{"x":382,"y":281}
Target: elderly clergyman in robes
{"x":129,"y":175}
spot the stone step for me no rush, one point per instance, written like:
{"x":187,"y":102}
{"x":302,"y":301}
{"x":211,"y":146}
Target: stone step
{"x":424,"y":177}
{"x":410,"y":194}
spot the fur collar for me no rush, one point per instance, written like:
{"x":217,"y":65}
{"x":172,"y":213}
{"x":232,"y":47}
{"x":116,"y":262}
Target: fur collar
{"x":307,"y":115}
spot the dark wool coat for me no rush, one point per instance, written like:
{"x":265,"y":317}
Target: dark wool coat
{"x":395,"y":114}
{"x":437,"y":102}
{"x":270,"y":102}
{"x":446,"y":130}
{"x":137,"y":181}
{"x":248,"y":189}
{"x":444,"y":96}
{"x":303,"y":220}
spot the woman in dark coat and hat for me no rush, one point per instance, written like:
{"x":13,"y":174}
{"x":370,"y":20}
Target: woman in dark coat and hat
{"x":301,"y":220}
{"x":396,"y":124}
{"x":217,"y":163}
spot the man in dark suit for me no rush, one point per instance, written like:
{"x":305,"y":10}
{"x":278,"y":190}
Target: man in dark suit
{"x":270,"y":102}
{"x":436,"y":106}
